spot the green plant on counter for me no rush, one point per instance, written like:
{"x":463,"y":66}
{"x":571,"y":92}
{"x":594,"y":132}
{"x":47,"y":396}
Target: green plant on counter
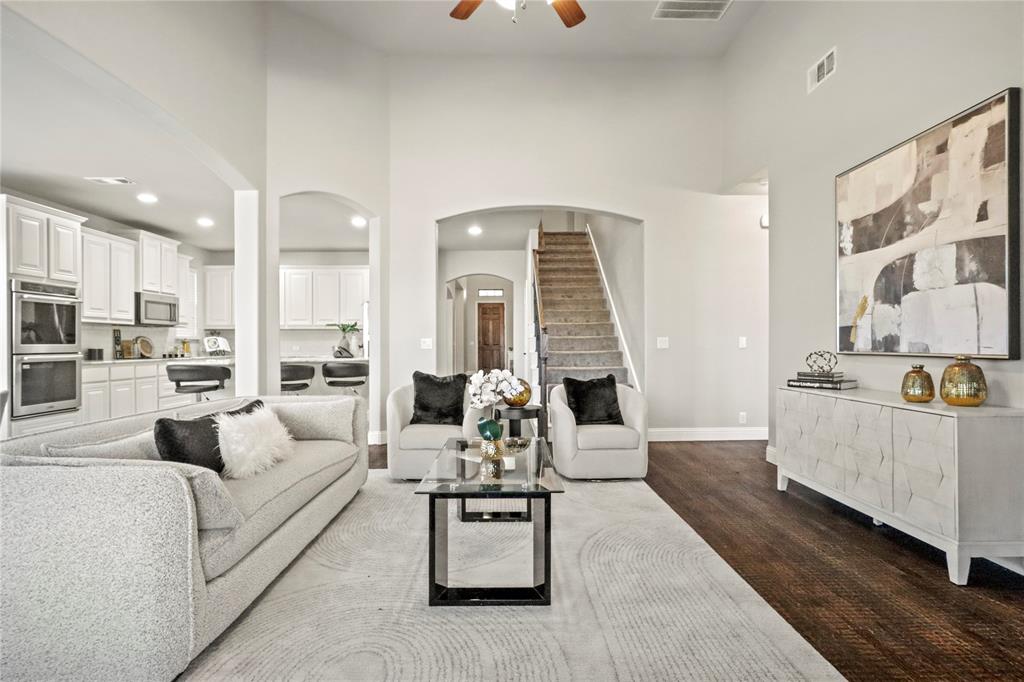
{"x":347,"y":327}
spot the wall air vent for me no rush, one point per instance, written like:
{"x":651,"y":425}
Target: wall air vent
{"x":103,"y":180}
{"x":821,"y":71}
{"x":700,"y":10}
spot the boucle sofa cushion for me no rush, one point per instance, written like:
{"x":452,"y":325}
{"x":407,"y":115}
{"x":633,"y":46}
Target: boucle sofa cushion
{"x":268,"y":499}
{"x":324,"y":420}
{"x":141,"y":445}
{"x":215,"y":507}
{"x":438,"y":400}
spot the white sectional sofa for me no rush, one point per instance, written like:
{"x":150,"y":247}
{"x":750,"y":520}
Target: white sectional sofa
{"x":126,"y":569}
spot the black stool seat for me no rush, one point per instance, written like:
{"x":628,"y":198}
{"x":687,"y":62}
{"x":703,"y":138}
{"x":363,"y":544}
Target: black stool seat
{"x":196,"y":379}
{"x":295,"y":377}
{"x":346,"y":374}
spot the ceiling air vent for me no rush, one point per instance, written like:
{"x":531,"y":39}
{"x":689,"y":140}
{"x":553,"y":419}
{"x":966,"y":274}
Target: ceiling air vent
{"x":102,"y":180}
{"x":821,"y":71}
{"x":700,"y":10}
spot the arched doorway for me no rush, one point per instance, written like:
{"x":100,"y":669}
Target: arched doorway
{"x":477,"y":330}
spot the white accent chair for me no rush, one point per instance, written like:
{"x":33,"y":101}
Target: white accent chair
{"x":600,"y":450}
{"x":412,"y":448}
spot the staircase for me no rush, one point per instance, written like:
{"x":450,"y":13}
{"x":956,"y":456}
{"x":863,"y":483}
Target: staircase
{"x":581,"y":340}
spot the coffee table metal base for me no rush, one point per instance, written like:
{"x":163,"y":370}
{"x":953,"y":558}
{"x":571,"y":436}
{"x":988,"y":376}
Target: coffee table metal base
{"x":440,"y":594}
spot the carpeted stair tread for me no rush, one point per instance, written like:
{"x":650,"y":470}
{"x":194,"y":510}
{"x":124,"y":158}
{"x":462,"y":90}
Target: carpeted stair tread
{"x":556,"y":374}
{"x":576,"y":316}
{"x":558,"y":344}
{"x":585,"y":358}
{"x":580,"y":329}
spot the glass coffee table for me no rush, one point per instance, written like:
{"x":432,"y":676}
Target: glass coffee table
{"x":460,"y":473}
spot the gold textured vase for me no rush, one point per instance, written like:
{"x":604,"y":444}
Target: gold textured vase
{"x":524,"y":396}
{"x":963,"y":384}
{"x":917,"y":385}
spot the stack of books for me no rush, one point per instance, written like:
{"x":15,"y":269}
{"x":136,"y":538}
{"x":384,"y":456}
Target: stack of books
{"x":832,"y":380}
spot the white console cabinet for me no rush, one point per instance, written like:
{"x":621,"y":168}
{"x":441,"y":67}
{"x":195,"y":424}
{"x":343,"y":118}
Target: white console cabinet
{"x":951,"y":477}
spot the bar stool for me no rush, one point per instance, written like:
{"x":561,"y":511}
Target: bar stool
{"x":295,"y":378}
{"x":200,"y":378}
{"x":346,"y":374}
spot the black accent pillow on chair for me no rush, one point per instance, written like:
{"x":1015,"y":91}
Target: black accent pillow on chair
{"x":194,"y":441}
{"x":593,"y":402}
{"x":438,"y":400}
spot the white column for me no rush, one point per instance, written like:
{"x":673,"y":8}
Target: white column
{"x":249,"y":292}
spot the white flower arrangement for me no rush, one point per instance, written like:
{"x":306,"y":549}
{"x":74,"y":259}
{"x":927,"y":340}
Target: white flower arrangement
{"x":487,"y":389}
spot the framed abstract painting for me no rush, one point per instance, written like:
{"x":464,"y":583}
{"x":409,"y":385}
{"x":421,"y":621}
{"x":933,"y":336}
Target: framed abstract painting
{"x":928,"y":240}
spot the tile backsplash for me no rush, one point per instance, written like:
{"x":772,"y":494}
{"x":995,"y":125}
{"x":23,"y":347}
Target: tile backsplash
{"x":163,"y":338}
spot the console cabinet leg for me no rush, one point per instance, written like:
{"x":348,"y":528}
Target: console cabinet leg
{"x":781,"y":481}
{"x":877,"y":522}
{"x":959,"y":565}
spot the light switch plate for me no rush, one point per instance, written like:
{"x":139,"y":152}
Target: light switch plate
{"x":426,"y":344}
{"x":662,"y":342}
{"x":743,"y":417}
{"x":743,"y":342}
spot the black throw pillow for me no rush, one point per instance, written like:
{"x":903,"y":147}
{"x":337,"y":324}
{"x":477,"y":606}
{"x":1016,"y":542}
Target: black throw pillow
{"x":438,"y":400}
{"x":194,"y":441}
{"x":593,"y":402}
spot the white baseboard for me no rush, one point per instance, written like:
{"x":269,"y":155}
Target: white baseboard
{"x":771,"y":455}
{"x":377,"y":438}
{"x":713,"y":433}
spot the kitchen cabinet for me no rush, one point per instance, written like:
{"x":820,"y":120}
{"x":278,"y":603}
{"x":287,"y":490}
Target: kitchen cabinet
{"x":187,"y":327}
{"x":95,"y":401}
{"x":146,"y":398}
{"x":158,"y":264}
{"x":298,"y":298}
{"x":312,"y":298}
{"x":218,"y":297}
{"x":122,"y":398}
{"x":108,"y":275}
{"x":44,"y":243}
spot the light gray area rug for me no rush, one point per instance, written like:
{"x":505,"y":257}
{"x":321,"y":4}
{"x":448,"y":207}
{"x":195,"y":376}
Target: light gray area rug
{"x":637,"y":595}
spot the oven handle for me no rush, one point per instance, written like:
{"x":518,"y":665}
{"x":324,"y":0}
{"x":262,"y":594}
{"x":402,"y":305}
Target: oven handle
{"x":40,"y":298}
{"x":21,"y":359}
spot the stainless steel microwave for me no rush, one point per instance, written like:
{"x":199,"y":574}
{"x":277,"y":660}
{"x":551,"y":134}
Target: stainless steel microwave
{"x":155,"y":310}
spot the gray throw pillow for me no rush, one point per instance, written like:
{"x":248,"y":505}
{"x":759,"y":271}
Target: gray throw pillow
{"x":141,"y":445}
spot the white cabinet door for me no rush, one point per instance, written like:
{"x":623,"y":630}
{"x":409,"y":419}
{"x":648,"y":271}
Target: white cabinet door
{"x":149,"y":264}
{"x":298,"y":298}
{"x":326,"y":297}
{"x":186,"y":299}
{"x":146,"y":395}
{"x":65,"y":239}
{"x":355,"y":290}
{"x":27,"y":242}
{"x":218,"y":298}
{"x":168,"y":268}
{"x":95,"y":402}
{"x":96,"y":279}
{"x":122,"y":282}
{"x":122,"y":398}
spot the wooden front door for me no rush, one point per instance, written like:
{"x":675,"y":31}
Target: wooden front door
{"x":490,"y":336}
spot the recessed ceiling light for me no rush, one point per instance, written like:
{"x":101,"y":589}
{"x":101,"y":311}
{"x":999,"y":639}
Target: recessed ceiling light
{"x":147,"y":198}
{"x":358,"y":221}
{"x":475,"y":230}
{"x":204,"y":221}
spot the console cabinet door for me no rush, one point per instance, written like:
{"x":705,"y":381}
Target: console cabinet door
{"x":791,"y":419}
{"x":27,"y":242}
{"x":865,"y":442}
{"x":65,"y":240}
{"x":824,"y":457}
{"x":924,"y":470}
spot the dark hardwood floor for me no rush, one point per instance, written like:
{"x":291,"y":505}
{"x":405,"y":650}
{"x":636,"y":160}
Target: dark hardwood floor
{"x":875,"y":602}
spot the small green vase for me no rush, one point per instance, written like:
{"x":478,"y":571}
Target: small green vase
{"x":489,"y":429}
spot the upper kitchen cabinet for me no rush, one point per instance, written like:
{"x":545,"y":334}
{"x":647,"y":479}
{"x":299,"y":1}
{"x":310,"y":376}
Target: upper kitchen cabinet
{"x":158,"y":264}
{"x":44,"y":243}
{"x":298,"y":298}
{"x":219,"y":297}
{"x":108,"y":278}
{"x":312,"y":298}
{"x":355,"y":291}
{"x":187,"y":323}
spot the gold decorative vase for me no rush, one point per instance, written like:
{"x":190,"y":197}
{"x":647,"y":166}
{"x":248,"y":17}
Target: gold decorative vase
{"x":963,"y":384}
{"x":917,"y":385}
{"x":492,"y":449}
{"x":524,"y":396}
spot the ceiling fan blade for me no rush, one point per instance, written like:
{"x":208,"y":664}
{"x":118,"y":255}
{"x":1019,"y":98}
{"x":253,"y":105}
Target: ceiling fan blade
{"x":465,"y":8}
{"x":569,"y":11}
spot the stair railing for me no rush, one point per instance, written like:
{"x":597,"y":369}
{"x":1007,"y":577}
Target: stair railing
{"x":541,"y":337}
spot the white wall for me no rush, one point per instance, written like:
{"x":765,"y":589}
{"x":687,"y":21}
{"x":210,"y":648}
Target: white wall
{"x":902,"y":67}
{"x":506,"y":265}
{"x":620,"y":246}
{"x":637,"y":138}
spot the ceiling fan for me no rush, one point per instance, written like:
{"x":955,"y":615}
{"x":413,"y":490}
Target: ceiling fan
{"x":569,"y":11}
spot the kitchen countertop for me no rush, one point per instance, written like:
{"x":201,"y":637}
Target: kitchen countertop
{"x":319,"y":358}
{"x":201,"y":360}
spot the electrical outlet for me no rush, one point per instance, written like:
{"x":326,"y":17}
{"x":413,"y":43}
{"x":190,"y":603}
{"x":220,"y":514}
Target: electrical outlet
{"x":662,"y":342}
{"x":426,"y":344}
{"x":743,"y":342}
{"x":743,"y":417}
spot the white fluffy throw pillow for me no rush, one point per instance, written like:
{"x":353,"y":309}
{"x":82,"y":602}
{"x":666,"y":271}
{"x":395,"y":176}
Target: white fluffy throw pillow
{"x":251,"y":443}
